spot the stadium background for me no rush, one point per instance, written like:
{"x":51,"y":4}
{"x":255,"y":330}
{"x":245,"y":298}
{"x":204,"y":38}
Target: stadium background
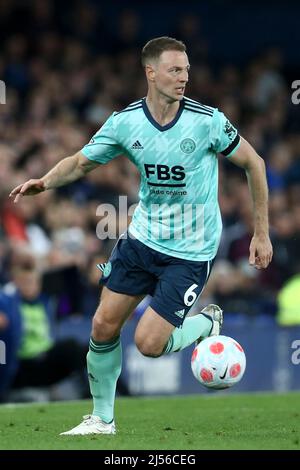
{"x":66,"y":68}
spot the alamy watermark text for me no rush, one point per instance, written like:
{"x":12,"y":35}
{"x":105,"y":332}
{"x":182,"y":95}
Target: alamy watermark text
{"x":2,"y":92}
{"x":2,"y":353}
{"x":296,"y":93}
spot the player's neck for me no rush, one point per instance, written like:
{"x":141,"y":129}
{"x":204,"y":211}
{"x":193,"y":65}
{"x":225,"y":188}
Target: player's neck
{"x":162,"y":111}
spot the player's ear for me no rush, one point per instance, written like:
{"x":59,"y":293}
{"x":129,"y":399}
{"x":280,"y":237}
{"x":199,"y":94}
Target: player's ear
{"x":150,"y":72}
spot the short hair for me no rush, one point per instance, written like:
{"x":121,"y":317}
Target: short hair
{"x":154,"y":48}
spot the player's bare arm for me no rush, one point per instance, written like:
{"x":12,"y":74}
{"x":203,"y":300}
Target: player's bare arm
{"x":66,"y":171}
{"x":261,"y":251}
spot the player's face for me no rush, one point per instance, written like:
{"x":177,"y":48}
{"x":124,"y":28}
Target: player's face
{"x":171,"y":74}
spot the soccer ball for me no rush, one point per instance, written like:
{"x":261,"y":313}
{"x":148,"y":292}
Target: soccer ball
{"x":218,"y":362}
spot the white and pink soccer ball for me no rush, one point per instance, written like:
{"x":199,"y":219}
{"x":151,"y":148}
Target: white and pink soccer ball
{"x":218,"y":362}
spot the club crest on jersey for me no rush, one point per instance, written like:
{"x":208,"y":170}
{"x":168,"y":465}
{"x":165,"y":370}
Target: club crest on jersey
{"x":187,"y":145}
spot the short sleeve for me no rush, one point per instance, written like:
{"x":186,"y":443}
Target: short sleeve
{"x":224,"y":137}
{"x":103,"y":146}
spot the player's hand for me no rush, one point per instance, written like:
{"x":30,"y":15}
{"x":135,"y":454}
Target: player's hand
{"x":29,"y":188}
{"x":261,"y":251}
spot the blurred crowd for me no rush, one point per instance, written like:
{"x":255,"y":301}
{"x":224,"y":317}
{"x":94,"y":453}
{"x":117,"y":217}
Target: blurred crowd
{"x":65,"y":72}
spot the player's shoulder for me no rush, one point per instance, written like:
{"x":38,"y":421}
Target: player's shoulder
{"x":136,"y":105}
{"x":196,"y":107}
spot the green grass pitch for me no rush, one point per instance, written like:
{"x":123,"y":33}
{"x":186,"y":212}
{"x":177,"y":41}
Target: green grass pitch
{"x":258,"y":421}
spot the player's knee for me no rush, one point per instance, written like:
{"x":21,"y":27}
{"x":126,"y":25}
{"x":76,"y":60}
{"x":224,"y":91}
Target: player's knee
{"x":103,"y":329}
{"x":148,"y":347}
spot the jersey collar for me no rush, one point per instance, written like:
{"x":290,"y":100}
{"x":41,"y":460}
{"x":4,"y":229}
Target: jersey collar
{"x":155,"y":123}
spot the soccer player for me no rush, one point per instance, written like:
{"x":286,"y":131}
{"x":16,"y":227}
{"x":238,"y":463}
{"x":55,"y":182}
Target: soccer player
{"x":175,"y":231}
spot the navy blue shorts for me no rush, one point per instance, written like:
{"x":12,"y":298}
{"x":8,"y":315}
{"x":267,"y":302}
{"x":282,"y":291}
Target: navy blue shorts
{"x":173,"y":283}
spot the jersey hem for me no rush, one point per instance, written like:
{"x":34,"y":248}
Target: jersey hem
{"x":175,"y":254}
{"x":89,"y":156}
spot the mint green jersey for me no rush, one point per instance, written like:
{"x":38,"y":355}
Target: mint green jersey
{"x":178,"y":213}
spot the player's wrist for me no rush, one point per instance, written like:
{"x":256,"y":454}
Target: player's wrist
{"x":45,"y":184}
{"x":261,"y":233}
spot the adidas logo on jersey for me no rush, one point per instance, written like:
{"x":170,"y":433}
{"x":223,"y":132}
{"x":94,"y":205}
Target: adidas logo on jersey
{"x":137,"y":145}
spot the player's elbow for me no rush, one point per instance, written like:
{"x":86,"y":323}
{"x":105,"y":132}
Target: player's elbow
{"x":258,"y":163}
{"x":254,"y":162}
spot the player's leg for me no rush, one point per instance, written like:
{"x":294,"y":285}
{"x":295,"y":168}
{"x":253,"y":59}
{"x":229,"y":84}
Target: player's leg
{"x":164,"y":328}
{"x":155,"y":335}
{"x":126,"y":283}
{"x":208,"y":322}
{"x":152,"y":333}
{"x":104,"y":360}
